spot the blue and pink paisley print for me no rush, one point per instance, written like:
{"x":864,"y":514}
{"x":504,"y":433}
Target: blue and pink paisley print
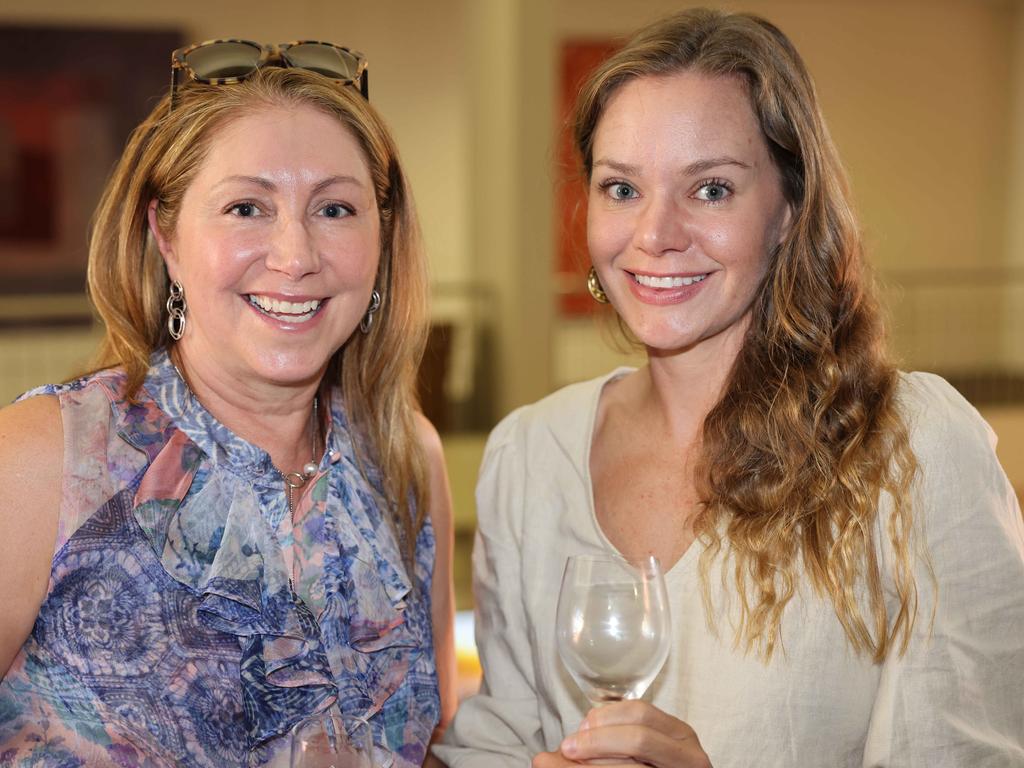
{"x":171,"y":633}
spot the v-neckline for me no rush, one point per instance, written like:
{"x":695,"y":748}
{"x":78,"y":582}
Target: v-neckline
{"x":588,"y":443}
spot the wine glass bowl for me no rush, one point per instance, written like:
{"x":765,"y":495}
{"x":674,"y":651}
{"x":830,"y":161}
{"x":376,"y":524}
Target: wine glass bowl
{"x":324,"y":741}
{"x":613,"y":625}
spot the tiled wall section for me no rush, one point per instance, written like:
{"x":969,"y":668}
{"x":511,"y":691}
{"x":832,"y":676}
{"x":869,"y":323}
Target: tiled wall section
{"x":31,"y":358}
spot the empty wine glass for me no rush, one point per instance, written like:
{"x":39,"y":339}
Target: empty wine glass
{"x":323,"y":741}
{"x":613,"y":625}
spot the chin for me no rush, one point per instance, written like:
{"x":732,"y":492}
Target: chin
{"x":662,"y":339}
{"x":666,"y":349}
{"x":290,"y":369}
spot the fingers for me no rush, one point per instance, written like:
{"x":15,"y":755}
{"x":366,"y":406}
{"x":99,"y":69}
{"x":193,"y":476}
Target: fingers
{"x":638,"y":713}
{"x":631,"y":742}
{"x":558,"y":760}
{"x":552,"y":760}
{"x":636,"y":731}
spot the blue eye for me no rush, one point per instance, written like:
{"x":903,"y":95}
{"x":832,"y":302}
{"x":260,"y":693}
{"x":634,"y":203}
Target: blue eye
{"x":620,"y":190}
{"x":713,"y":192}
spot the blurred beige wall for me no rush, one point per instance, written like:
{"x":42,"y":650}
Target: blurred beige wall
{"x":1014,"y":343}
{"x":918,"y":95}
{"x":925,"y":100}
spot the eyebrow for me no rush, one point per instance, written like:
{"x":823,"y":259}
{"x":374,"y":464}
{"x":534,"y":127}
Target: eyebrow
{"x":270,"y":186}
{"x":332,"y":180}
{"x":693,"y":169}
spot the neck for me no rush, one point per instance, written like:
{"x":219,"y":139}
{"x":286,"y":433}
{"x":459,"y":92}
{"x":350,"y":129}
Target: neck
{"x":278,"y":419}
{"x":683,"y":386}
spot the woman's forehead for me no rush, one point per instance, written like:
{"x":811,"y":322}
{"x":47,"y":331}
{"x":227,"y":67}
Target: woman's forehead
{"x":684,"y":113}
{"x":281,"y":141}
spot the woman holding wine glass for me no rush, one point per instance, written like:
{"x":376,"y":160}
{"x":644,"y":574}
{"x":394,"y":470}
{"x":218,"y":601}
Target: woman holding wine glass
{"x":844,"y":557}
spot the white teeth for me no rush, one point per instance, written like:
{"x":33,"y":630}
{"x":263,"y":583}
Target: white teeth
{"x":299,"y":311}
{"x":667,"y":282}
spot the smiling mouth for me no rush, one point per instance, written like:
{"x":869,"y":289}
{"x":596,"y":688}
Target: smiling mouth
{"x":650,"y":281}
{"x":286,"y":311}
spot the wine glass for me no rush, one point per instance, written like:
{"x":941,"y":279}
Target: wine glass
{"x":613,"y":625}
{"x":323,"y":741}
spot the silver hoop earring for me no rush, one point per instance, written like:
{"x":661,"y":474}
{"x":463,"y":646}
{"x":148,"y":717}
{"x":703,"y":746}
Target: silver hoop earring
{"x":176,"y":309}
{"x":367,"y":322}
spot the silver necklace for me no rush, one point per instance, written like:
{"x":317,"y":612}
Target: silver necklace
{"x":294,"y":481}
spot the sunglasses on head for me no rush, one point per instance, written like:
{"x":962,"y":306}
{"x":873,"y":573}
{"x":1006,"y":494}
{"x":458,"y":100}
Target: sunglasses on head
{"x":219,"y":62}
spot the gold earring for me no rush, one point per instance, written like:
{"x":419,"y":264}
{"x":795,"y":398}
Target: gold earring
{"x":595,"y":288}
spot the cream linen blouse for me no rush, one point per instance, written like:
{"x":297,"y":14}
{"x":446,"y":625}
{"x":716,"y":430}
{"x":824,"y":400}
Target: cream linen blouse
{"x":956,"y":698}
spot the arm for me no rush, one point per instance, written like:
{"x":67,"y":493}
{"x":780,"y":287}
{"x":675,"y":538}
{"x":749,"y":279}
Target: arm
{"x":442,"y":591}
{"x":955,"y":697}
{"x":31,"y":456}
{"x":499,"y":727}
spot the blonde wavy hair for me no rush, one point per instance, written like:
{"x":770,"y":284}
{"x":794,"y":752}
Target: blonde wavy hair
{"x":808,"y":436}
{"x":128,"y":282}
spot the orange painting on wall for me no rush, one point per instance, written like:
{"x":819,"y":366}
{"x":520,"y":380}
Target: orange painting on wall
{"x":578,"y":60}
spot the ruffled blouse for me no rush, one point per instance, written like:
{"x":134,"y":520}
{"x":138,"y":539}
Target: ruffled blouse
{"x":189,"y":621}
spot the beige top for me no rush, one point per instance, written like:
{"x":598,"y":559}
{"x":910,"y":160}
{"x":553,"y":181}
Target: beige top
{"x":955,"y":699}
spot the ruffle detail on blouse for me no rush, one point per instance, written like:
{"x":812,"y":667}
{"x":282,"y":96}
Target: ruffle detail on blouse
{"x":198,"y":503}
{"x":219,"y":546}
{"x":363,"y":611}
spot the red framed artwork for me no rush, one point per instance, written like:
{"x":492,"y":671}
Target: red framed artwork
{"x":578,"y":60}
{"x":69,"y":97}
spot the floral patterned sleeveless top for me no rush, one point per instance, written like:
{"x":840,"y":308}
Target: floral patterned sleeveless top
{"x":188,"y":622}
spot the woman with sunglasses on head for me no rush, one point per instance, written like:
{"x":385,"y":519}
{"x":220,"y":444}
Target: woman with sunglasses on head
{"x":240,"y":520}
{"x":844,"y":554}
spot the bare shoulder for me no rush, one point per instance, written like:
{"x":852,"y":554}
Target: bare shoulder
{"x":437,"y":472}
{"x":429,"y":439}
{"x":31,"y":458}
{"x":32,"y":439}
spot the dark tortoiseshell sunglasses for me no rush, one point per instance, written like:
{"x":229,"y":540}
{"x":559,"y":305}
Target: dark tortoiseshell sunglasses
{"x":219,"y":62}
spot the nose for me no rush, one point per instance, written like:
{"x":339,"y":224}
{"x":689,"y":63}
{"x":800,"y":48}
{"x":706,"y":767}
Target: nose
{"x":292,"y":250}
{"x":661,"y":226}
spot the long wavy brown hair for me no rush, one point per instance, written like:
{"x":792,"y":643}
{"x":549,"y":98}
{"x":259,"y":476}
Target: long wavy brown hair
{"x":807,"y":440}
{"x":128,"y":281}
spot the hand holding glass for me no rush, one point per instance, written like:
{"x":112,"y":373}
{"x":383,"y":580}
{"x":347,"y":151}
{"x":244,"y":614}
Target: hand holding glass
{"x":613,"y":625}
{"x":322,"y":741}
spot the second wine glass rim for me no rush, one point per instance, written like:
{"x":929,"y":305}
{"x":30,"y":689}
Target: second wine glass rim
{"x":616,"y":557}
